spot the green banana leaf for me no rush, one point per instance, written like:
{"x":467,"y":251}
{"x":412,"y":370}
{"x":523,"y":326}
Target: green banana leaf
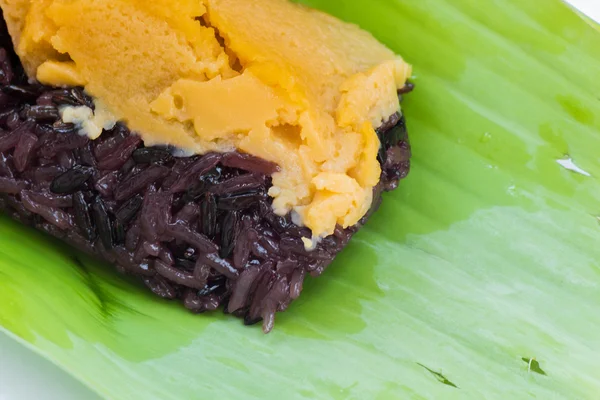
{"x":479,"y":278}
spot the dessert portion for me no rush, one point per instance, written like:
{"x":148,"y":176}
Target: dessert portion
{"x":220,"y":150}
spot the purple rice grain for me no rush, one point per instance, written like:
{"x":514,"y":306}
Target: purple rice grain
{"x":250,"y":163}
{"x":242,"y":288}
{"x":107,"y":184}
{"x":195,"y":192}
{"x":208,"y":215}
{"x":129,"y":210}
{"x":103,"y":223}
{"x":160,"y":287}
{"x":82,"y":216}
{"x":45,"y":99}
{"x":188,"y":214}
{"x":140,"y":182}
{"x":286,"y":267}
{"x":66,"y":159}
{"x":195,"y":239}
{"x":193,"y":172}
{"x":278,"y":294}
{"x":46,"y":198}
{"x":239,"y":184}
{"x":239,"y":201}
{"x":13,"y":120}
{"x":229,"y":231}
{"x":43,"y":174}
{"x":6,"y":166}
{"x":220,"y":265}
{"x":42,"y":113}
{"x":62,"y":142}
{"x":119,"y":233}
{"x":156,"y":215}
{"x":201,"y":272}
{"x":177,"y":276}
{"x":10,"y":140}
{"x":151,"y":155}
{"x":23,"y":150}
{"x":6,"y":70}
{"x":186,"y":264}
{"x":296,"y":283}
{"x":5,"y":113}
{"x":85,"y":155}
{"x":151,"y":249}
{"x":23,"y":92}
{"x":12,"y":186}
{"x":166,"y":256}
{"x":407,"y":88}
{"x":132,"y":237}
{"x":262,"y":287}
{"x":211,"y":302}
{"x":192,"y":301}
{"x":64,"y":128}
{"x":72,"y":180}
{"x":53,"y":215}
{"x":81,"y":98}
{"x":120,"y":154}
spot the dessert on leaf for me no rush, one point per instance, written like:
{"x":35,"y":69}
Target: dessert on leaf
{"x":221,"y":150}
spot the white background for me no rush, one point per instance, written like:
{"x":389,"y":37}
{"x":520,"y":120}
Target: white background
{"x":26,"y":376}
{"x":590,"y":7}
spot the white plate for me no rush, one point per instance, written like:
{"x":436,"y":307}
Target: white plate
{"x":589,"y":7}
{"x":24,"y":375}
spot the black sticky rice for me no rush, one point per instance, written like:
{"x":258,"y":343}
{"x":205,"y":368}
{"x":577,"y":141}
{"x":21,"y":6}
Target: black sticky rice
{"x":199,"y":229}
